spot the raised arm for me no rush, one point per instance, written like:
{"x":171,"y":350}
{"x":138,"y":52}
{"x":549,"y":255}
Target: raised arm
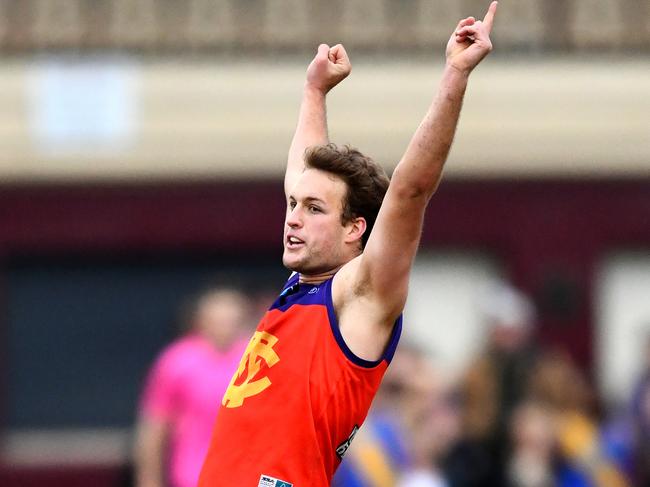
{"x":387,"y":259}
{"x":328,"y":68}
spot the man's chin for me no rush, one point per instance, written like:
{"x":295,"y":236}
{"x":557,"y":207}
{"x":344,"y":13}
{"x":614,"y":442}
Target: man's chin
{"x":296,"y":265}
{"x":291,"y":264}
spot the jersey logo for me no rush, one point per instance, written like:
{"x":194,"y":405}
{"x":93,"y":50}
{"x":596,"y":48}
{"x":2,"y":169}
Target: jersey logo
{"x":343,"y":447}
{"x":243,"y":384}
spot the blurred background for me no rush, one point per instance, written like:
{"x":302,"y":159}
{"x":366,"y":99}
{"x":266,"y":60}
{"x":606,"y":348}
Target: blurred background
{"x":141,"y":158}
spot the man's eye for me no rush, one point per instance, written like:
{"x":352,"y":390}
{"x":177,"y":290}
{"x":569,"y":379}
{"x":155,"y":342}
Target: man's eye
{"x":314,"y":209}
{"x":292,"y":204}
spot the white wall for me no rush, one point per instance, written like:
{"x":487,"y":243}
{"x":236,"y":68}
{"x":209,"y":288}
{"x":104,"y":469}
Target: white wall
{"x":442,"y":313}
{"x":622,"y":322}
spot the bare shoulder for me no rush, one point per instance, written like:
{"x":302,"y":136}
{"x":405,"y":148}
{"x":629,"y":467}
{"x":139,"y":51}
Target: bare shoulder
{"x":364,"y":324}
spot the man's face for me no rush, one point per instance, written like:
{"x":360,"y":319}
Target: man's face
{"x":314,"y":238}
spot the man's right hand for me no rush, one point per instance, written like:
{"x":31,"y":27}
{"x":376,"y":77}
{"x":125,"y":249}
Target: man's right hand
{"x":329,"y":67}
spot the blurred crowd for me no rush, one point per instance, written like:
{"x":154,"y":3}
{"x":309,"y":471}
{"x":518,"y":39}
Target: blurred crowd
{"x":519,"y":415}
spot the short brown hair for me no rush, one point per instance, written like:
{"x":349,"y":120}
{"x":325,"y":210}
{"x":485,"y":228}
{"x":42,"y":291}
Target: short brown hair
{"x":366,"y":181}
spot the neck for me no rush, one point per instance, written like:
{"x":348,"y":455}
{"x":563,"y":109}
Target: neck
{"x":317,"y":278}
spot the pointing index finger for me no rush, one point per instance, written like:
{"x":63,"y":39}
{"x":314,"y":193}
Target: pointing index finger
{"x":488,"y":20}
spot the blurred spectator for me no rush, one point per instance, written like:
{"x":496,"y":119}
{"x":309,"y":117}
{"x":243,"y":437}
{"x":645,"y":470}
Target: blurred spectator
{"x":626,"y":435}
{"x":641,"y":423}
{"x":184,"y":390}
{"x":433,"y":425}
{"x":495,"y":383}
{"x":409,"y":429}
{"x":586,"y":461}
{"x":532,"y":459}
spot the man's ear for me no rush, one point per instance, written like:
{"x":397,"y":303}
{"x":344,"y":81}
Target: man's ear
{"x":355,"y":229}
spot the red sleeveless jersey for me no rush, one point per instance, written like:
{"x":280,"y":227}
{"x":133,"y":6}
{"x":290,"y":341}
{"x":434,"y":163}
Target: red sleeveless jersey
{"x":296,"y":400}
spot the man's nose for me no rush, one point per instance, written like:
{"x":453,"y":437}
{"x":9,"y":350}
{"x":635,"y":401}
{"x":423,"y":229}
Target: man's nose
{"x":293,"y":218}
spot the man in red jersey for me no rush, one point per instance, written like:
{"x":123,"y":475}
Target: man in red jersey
{"x":308,"y":375}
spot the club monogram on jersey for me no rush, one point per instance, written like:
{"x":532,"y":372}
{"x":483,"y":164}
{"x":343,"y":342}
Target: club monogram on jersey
{"x":244,"y":383}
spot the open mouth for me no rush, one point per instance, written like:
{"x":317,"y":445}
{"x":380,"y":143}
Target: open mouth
{"x":294,"y":242}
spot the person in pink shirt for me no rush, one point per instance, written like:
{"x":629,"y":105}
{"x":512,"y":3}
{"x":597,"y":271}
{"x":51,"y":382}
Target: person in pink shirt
{"x":184,"y":388}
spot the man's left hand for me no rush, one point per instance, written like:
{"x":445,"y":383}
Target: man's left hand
{"x":470,"y":42}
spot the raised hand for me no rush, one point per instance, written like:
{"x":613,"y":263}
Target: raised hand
{"x":470,"y":42}
{"x":329,"y":67}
